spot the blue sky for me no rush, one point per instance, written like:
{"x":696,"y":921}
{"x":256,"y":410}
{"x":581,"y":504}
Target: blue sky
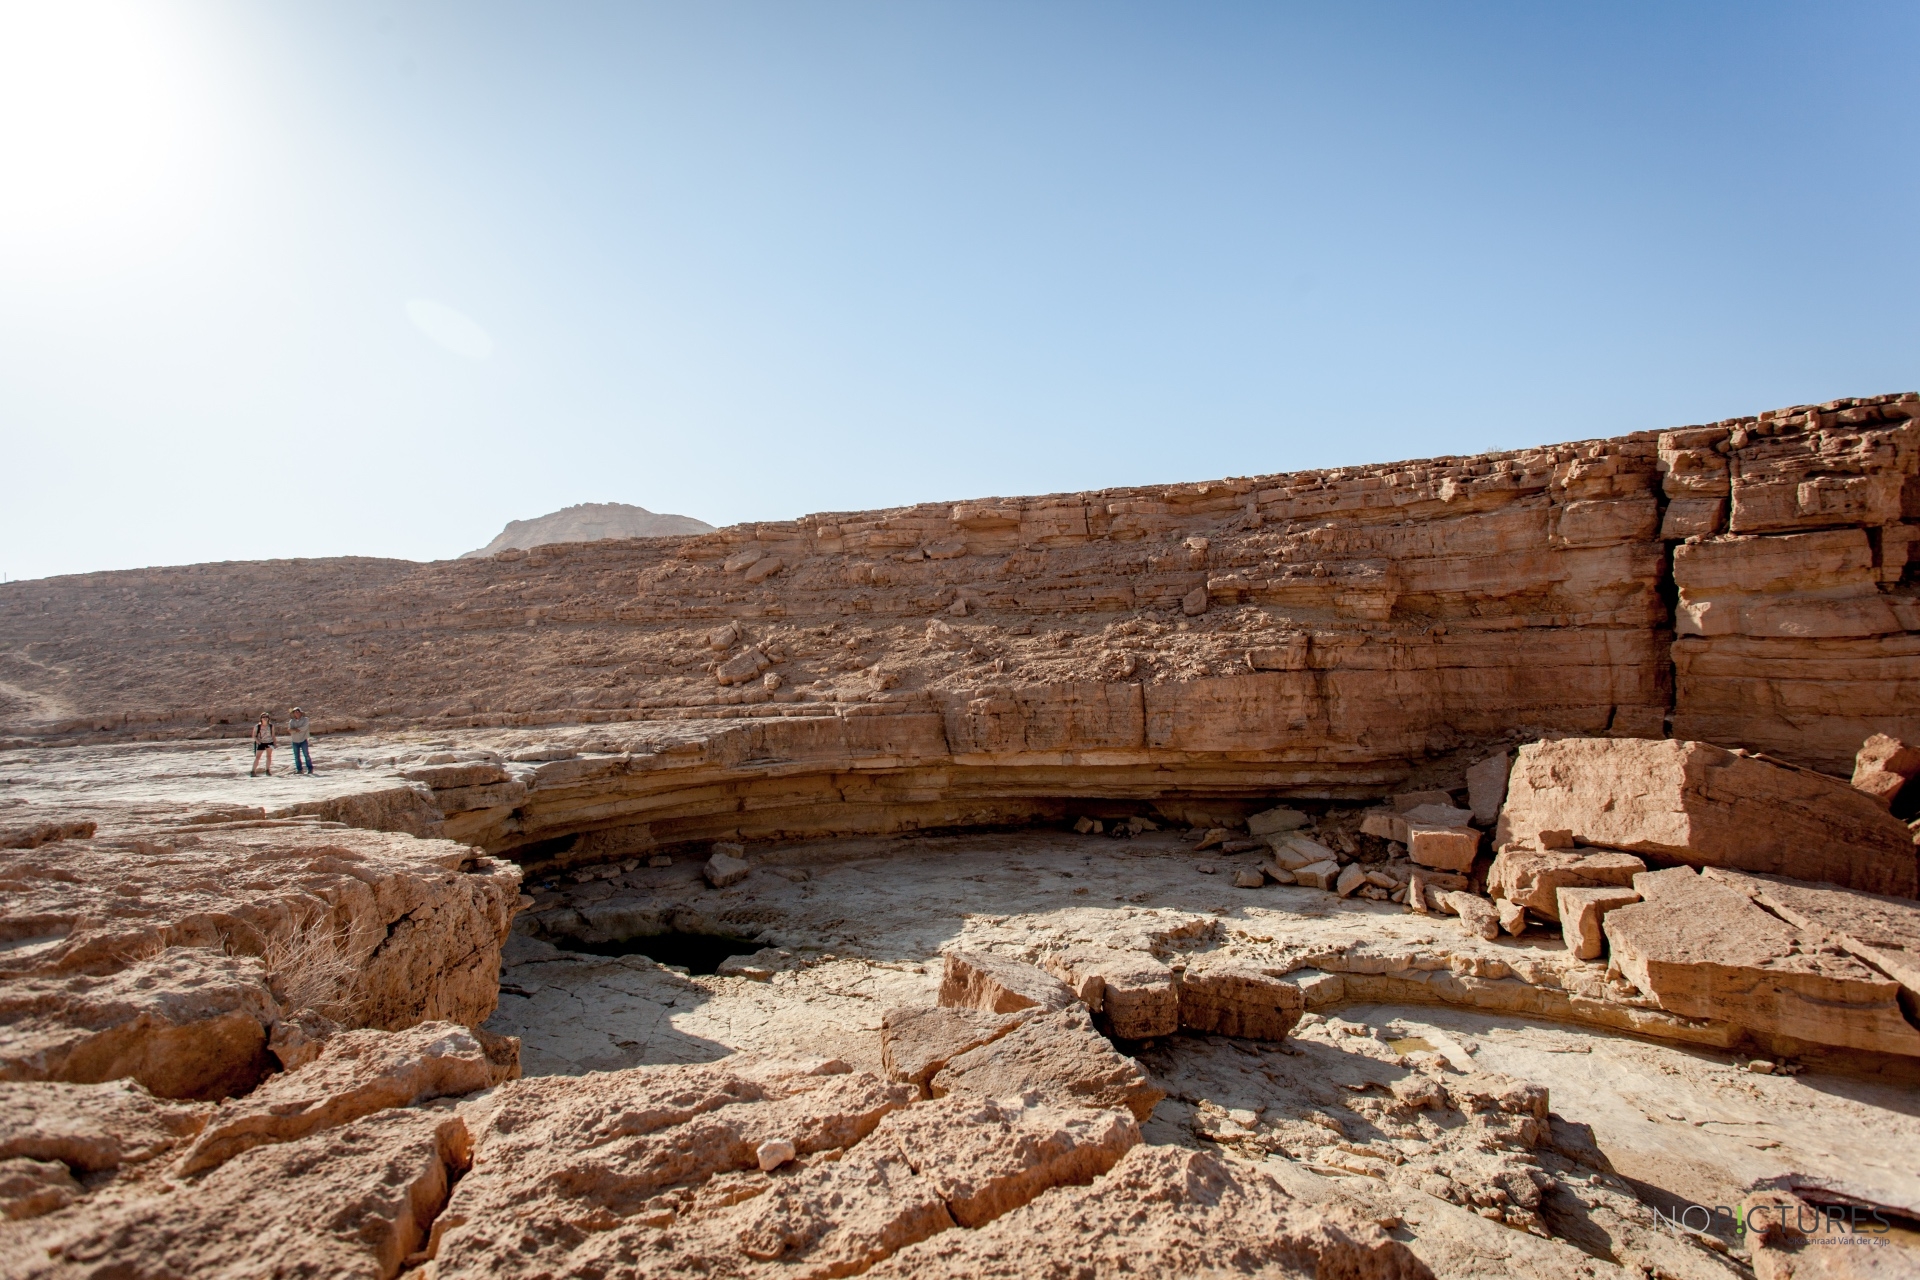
{"x":376,"y":278}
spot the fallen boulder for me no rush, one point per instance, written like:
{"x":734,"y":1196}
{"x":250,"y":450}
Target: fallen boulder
{"x":1698,"y":804}
{"x":1883,"y":766}
{"x":1701,"y":948}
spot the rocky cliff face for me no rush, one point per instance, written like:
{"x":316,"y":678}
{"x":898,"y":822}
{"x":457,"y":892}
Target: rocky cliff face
{"x":1748,"y":583}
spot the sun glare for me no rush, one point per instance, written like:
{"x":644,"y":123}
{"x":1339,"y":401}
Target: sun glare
{"x":95,"y":129}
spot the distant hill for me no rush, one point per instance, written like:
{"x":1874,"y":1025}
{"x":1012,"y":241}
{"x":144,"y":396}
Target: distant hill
{"x":590,"y":522}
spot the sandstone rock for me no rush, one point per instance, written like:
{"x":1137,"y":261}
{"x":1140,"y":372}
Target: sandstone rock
{"x":1290,"y":853}
{"x":297,"y":1038}
{"x":1532,"y":878}
{"x":1249,"y":878}
{"x":1513,"y":916}
{"x":1233,"y":998}
{"x":1058,"y":1056}
{"x":723,"y":869}
{"x":1811,"y":585}
{"x":1487,"y":787}
{"x":1132,"y":991}
{"x":1884,"y":932}
{"x":1194,"y":602}
{"x":1705,"y":806}
{"x":1417,"y":894}
{"x":352,"y":1201}
{"x":1442,"y":814}
{"x":568,"y":1168}
{"x":761,"y":570}
{"x":1384,"y":823}
{"x":29,"y":1188}
{"x":449,"y":777}
{"x":395,"y":928}
{"x":1477,"y":915}
{"x":1351,"y":877}
{"x":1164,"y":1211}
{"x":773,"y":1153}
{"x":357,"y":1074}
{"x":1451,"y":848}
{"x":985,"y":1157}
{"x":1701,"y":948}
{"x":1271,"y":821}
{"x":1277,"y":873}
{"x":1318,"y":875}
{"x":742,"y":667}
{"x":1213,"y":836}
{"x":32,"y":835}
{"x":1581,"y":909}
{"x":995,"y":984}
{"x":186,"y":1023}
{"x":93,"y":1128}
{"x":916,"y":1042}
{"x":1883,"y":766}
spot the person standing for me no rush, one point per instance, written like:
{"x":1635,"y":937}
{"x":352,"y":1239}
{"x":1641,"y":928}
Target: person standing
{"x":262,"y":742}
{"x":297,"y":735}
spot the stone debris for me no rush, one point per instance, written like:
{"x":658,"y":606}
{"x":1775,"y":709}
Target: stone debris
{"x":1881,"y":931}
{"x":1477,"y":915}
{"x":1292,"y":852}
{"x":1533,"y":878}
{"x":773,"y":1153}
{"x":723,"y":869}
{"x":1883,"y":766}
{"x":1248,"y":878}
{"x":1706,"y":806}
{"x":1351,"y":877}
{"x":995,"y":984}
{"x":1444,"y":848}
{"x":1318,"y":875}
{"x":1581,"y":911}
{"x":1272,"y":821}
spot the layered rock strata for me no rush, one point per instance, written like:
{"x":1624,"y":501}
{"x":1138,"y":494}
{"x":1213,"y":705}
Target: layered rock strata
{"x":1314,"y":634}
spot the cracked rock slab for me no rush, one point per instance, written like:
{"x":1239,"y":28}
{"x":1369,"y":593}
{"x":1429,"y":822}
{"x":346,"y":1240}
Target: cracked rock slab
{"x":1703,"y":949}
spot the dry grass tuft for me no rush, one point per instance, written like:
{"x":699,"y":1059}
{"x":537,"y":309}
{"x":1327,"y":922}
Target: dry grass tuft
{"x":310,"y":968}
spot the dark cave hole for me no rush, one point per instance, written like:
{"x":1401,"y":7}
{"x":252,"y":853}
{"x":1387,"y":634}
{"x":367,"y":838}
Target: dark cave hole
{"x":696,"y":952}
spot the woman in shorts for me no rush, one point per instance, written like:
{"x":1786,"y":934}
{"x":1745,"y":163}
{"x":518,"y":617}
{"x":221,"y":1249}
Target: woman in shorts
{"x":262,"y":742}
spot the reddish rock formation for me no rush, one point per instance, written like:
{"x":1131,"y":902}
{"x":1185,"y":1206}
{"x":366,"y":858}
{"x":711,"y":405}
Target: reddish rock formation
{"x":1699,"y":804}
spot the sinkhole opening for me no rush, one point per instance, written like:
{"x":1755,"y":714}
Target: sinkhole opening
{"x":694,"y":952}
